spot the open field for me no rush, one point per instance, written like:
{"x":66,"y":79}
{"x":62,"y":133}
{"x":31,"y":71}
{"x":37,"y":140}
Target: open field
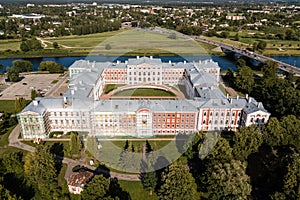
{"x":136,"y":191}
{"x":144,"y":92}
{"x":40,"y":82}
{"x":13,"y":44}
{"x":91,"y":40}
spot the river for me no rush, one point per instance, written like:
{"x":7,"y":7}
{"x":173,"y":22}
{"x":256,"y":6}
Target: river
{"x":223,"y":61}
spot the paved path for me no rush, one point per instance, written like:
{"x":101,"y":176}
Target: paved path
{"x":14,"y":142}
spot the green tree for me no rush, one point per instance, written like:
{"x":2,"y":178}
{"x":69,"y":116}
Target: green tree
{"x":55,"y":45}
{"x":177,"y":183}
{"x":262,"y":45}
{"x":149,"y":181}
{"x":291,"y":127}
{"x":22,"y":66}
{"x":247,"y":140}
{"x":13,"y":163}
{"x":237,"y":37}
{"x":241,"y":63}
{"x":254,"y":46}
{"x":291,"y":186}
{"x":215,"y":149}
{"x":224,"y":34}
{"x":228,"y":181}
{"x":98,"y":188}
{"x":40,"y":170}
{"x":273,"y":133}
{"x":34,"y":94}
{"x":20,"y":104}
{"x":229,"y":77}
{"x":13,"y":75}
{"x":31,"y":44}
{"x":5,"y":194}
{"x":244,"y":79}
{"x":75,"y":143}
{"x":51,"y":66}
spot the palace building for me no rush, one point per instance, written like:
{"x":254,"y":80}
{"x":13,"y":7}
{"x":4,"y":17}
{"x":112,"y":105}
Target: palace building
{"x":85,"y":108}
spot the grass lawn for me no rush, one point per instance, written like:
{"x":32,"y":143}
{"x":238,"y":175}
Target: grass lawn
{"x":54,"y":81}
{"x":110,"y":153}
{"x":144,"y":92}
{"x":136,"y":190}
{"x":90,"y":40}
{"x":110,"y":87}
{"x":4,"y":137}
{"x":12,"y":44}
{"x":7,"y":105}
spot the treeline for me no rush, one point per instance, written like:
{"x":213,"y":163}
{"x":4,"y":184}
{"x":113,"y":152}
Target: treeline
{"x":99,"y":27}
{"x":280,"y":96}
{"x":26,"y":66}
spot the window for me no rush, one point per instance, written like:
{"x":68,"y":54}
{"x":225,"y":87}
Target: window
{"x":25,"y":120}
{"x":60,"y":113}
{"x":217,"y":114}
{"x":204,"y":121}
{"x":204,"y":113}
{"x":251,"y":120}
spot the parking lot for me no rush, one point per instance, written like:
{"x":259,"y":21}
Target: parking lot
{"x":39,"y":82}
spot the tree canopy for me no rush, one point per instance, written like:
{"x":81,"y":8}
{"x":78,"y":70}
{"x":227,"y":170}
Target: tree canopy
{"x":228,"y":181}
{"x":177,"y":183}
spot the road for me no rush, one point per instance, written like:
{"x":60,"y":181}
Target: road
{"x":14,"y":142}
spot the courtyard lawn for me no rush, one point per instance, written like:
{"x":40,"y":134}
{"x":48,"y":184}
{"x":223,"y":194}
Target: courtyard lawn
{"x":110,"y":87}
{"x":136,"y":190}
{"x":144,"y":92}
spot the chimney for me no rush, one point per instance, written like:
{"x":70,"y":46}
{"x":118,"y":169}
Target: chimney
{"x":170,"y":62}
{"x":200,"y":61}
{"x":247,"y":96}
{"x":126,"y":61}
{"x":72,"y":92}
{"x":237,"y":97}
{"x":65,"y":99}
{"x":138,"y":57}
{"x":259,"y":105}
{"x":35,"y":102}
{"x":230,"y":100}
{"x":151,"y":57}
{"x":118,"y":62}
{"x":250,"y":99}
{"x":184,"y":62}
{"x":227,"y":96}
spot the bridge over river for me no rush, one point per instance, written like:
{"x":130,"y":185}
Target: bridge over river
{"x":252,"y":55}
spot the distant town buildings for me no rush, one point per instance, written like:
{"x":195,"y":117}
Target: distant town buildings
{"x":84,"y":109}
